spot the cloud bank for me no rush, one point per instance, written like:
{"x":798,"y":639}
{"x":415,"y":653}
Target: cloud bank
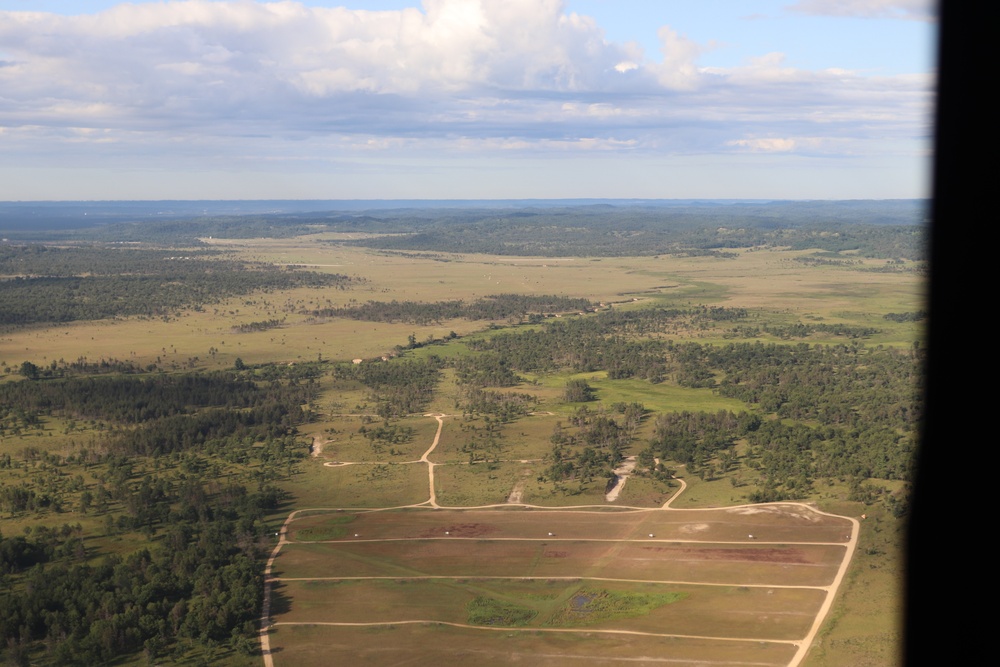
{"x":279,"y":81}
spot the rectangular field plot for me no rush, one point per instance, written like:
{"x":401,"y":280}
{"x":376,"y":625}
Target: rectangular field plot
{"x":372,"y":485}
{"x":419,"y":523}
{"x":430,"y":645}
{"x":528,"y":438}
{"x":402,"y":440}
{"x":769,"y":523}
{"x":792,"y":565}
{"x":717,"y":611}
{"x":462,"y":485}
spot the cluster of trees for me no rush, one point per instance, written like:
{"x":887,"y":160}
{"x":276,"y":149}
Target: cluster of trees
{"x":262,"y":325}
{"x":842,"y":385}
{"x":578,"y":391}
{"x":505,"y":406}
{"x":909,"y":316}
{"x":398,"y":388}
{"x":487,"y":369}
{"x":581,"y":345}
{"x":495,"y":307}
{"x":596,"y":446}
{"x":804,"y":330}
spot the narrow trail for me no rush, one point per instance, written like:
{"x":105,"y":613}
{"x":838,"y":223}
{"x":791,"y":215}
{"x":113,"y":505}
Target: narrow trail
{"x":802,"y":646}
{"x":432,"y":500}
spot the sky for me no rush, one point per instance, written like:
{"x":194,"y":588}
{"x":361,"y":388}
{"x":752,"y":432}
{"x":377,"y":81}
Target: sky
{"x":465,"y":99}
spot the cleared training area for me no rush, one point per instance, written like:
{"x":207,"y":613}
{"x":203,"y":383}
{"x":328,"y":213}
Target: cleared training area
{"x":428,"y":585}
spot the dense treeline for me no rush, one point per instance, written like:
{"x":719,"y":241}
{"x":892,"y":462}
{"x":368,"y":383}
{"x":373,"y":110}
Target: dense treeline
{"x":60,"y":368}
{"x":201,"y":585}
{"x":910,"y":316}
{"x":613,"y":237}
{"x":138,"y":399}
{"x":494,"y":307}
{"x":68,"y":284}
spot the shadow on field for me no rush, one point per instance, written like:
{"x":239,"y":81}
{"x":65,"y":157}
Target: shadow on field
{"x":280,"y":602}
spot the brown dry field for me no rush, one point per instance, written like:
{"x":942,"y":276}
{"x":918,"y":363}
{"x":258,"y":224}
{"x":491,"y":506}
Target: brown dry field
{"x":768,"y":523}
{"x":789,"y":565}
{"x":719,"y":611}
{"x":430,"y":645}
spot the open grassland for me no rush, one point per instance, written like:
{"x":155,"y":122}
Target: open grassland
{"x":655,"y":397}
{"x":362,"y":485}
{"x":765,"y":279}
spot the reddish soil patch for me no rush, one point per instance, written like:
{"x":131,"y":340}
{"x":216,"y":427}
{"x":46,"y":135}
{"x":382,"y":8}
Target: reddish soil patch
{"x":753,"y":555}
{"x":460,"y":530}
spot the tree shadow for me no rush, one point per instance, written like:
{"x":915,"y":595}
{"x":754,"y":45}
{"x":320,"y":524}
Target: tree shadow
{"x":280,"y":602}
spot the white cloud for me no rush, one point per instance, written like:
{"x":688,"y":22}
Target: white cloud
{"x":677,"y":70}
{"x":898,"y":9}
{"x":240,"y":80}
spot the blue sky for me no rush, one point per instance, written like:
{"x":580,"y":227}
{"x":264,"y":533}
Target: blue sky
{"x":242,"y":99}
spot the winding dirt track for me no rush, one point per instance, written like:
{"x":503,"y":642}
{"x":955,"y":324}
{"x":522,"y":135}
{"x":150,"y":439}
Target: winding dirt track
{"x":802,"y":646}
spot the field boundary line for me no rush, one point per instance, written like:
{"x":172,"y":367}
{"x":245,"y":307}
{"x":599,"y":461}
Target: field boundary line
{"x":666,"y":582}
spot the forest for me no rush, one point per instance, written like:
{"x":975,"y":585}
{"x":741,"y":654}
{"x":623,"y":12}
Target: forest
{"x":199,"y":581}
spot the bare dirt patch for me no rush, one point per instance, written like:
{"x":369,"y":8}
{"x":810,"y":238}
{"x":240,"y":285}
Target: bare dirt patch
{"x":693,"y":528}
{"x":460,"y":530}
{"x":750,"y":555}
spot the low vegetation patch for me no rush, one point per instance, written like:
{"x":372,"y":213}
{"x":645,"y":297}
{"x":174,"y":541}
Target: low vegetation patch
{"x":593,"y":605}
{"x":490,"y":611}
